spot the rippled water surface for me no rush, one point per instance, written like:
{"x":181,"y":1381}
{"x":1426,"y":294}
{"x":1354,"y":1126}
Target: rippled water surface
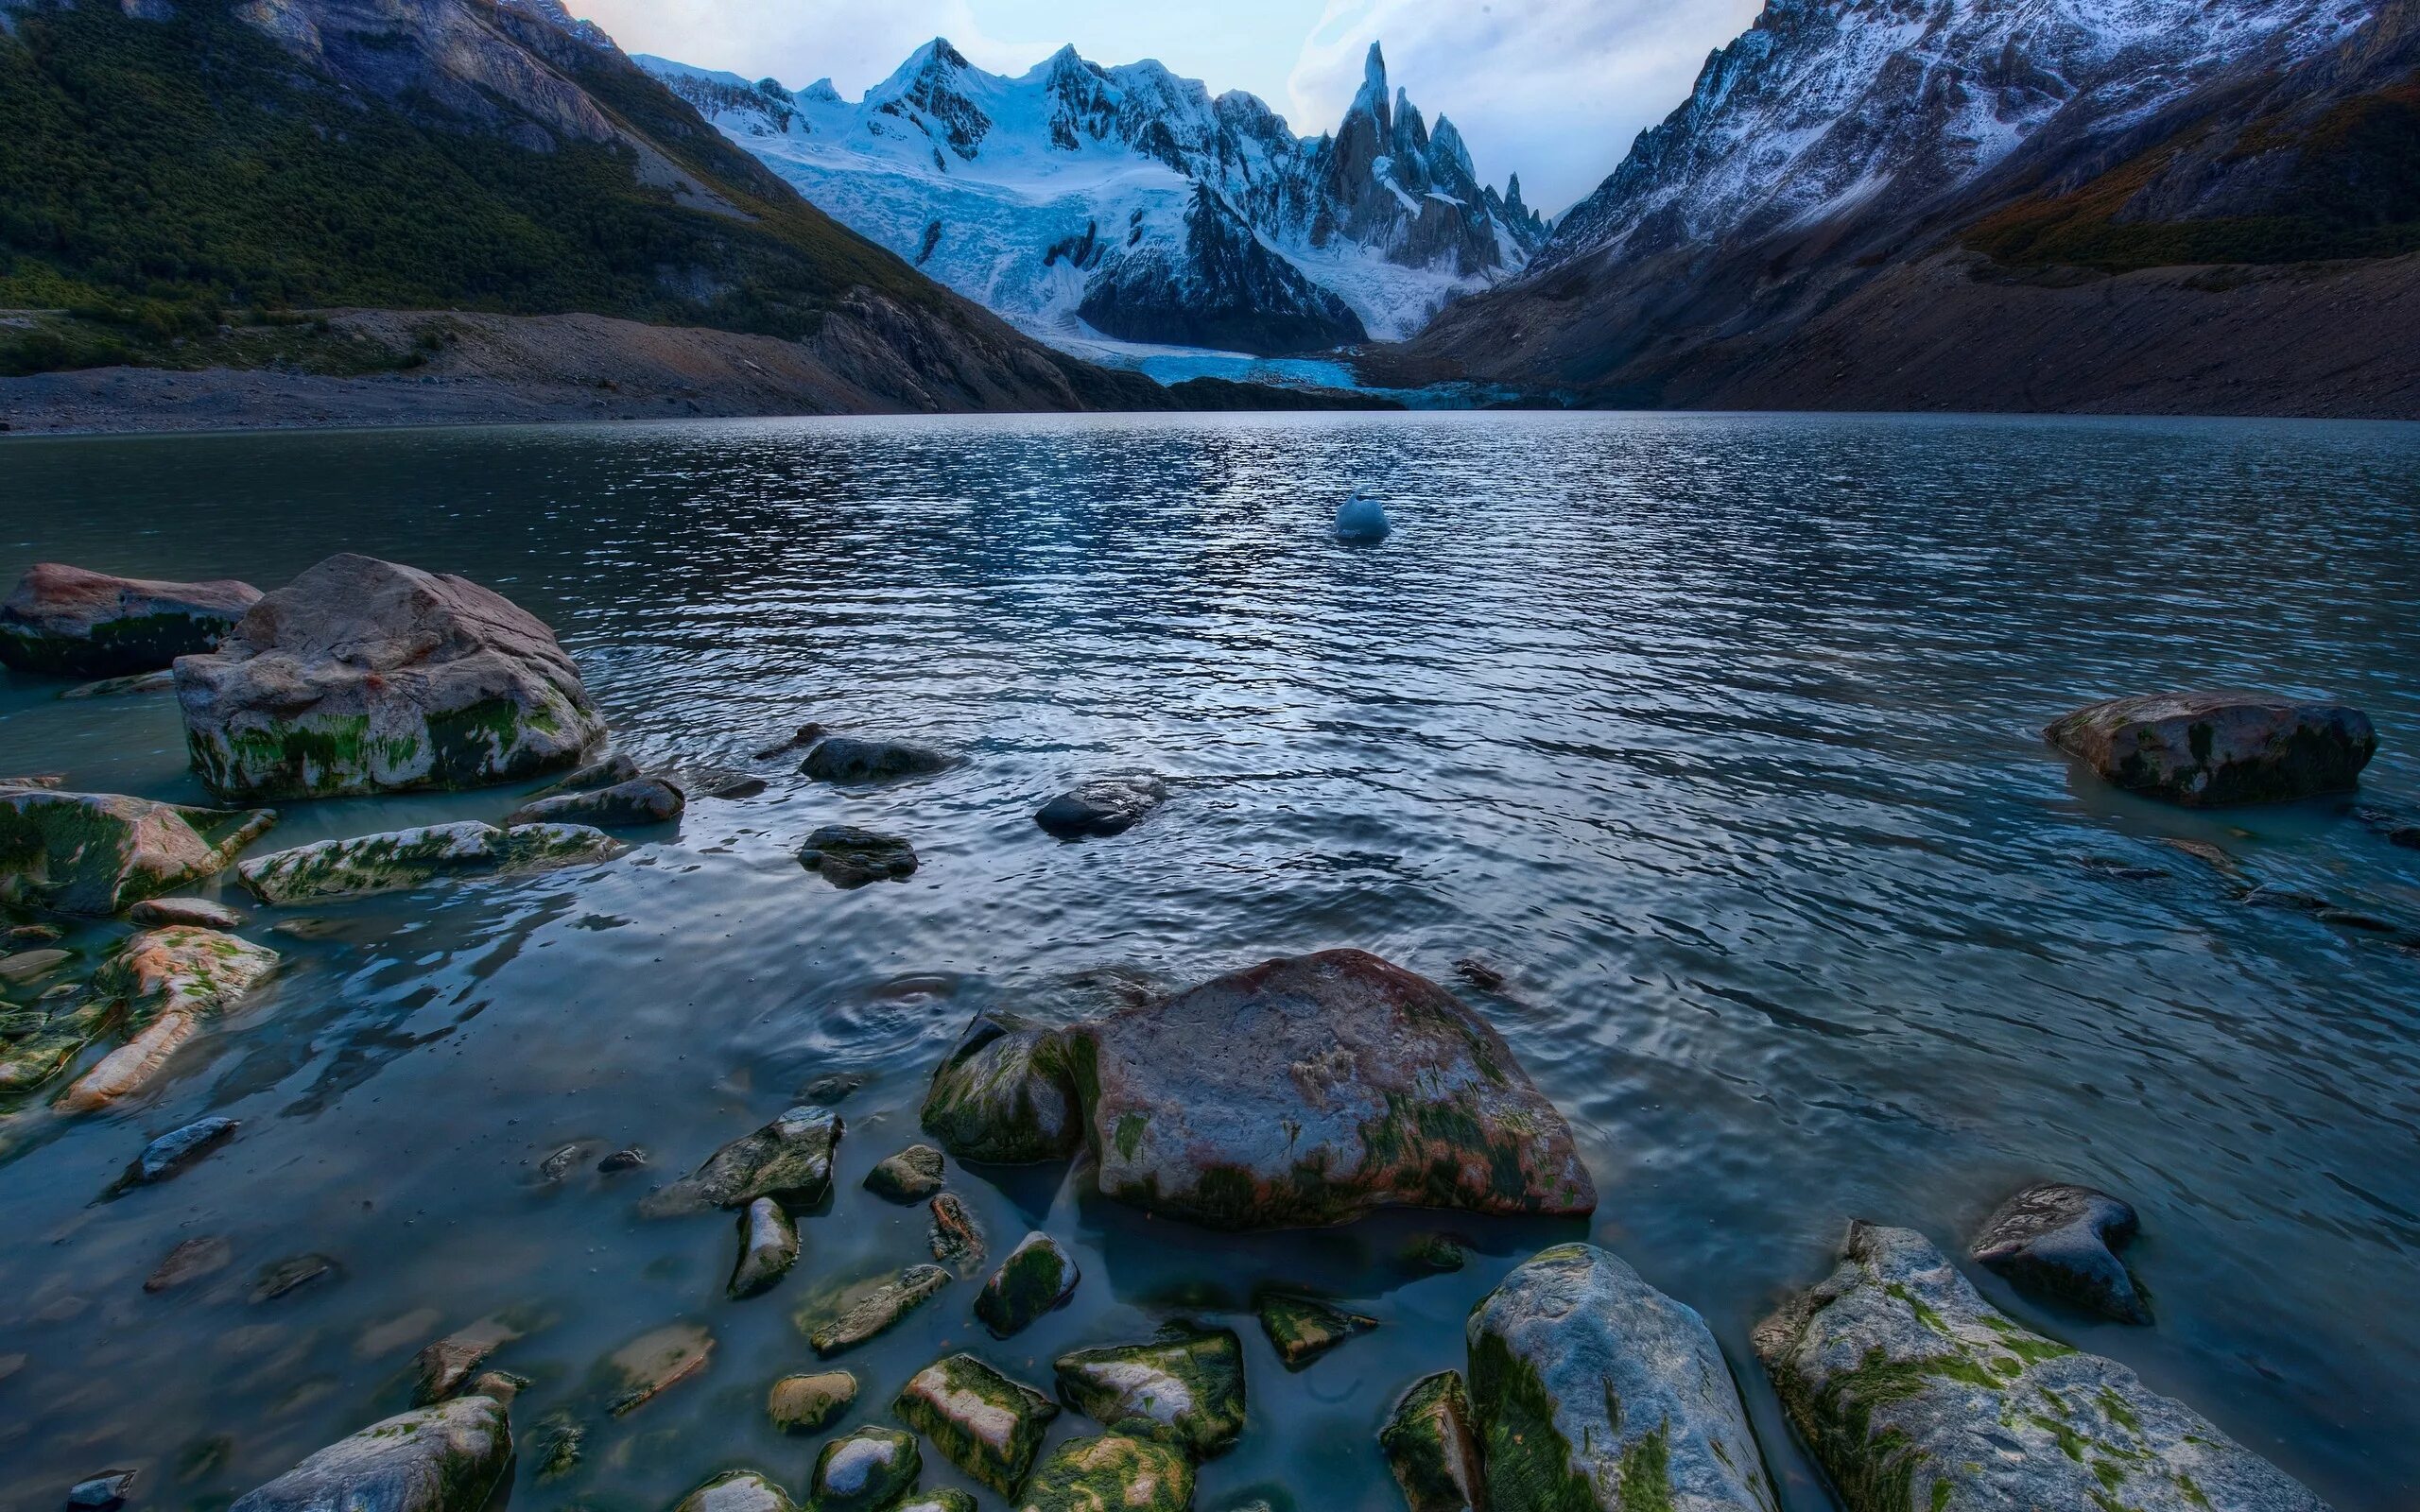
{"x":1716,"y":736}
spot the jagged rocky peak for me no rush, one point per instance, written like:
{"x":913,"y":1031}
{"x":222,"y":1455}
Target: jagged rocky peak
{"x":554,"y":13}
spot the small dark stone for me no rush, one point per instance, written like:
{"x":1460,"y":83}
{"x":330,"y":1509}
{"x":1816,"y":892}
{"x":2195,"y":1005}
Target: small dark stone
{"x":1102,"y":806}
{"x":621,"y":1160}
{"x":803,"y":735}
{"x":2272,"y":896}
{"x":2365,"y":923}
{"x":2117,"y":870}
{"x":171,"y":1153}
{"x":956,"y":1239}
{"x":832,"y":1090}
{"x":1480,"y":974}
{"x":287,"y":1275}
{"x":911,"y":1176}
{"x":850,"y":857}
{"x":2064,"y":1240}
{"x":103,"y":1491}
{"x":190,"y":1262}
{"x":721,"y":783}
{"x":843,"y":759}
{"x":557,"y":1165}
{"x":2408,"y":836}
{"x":611,"y":772}
{"x":635,"y":804}
{"x":1435,"y":1252}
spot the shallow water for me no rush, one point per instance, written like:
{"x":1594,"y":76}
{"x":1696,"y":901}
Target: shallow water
{"x":1716,"y":735}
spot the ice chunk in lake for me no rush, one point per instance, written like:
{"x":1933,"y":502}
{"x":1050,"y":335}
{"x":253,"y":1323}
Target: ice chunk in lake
{"x":1361,"y":519}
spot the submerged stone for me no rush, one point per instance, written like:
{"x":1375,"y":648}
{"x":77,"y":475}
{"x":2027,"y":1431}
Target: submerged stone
{"x":1432,"y":1448}
{"x":448,"y":1458}
{"x":789,"y":1160}
{"x":292,"y":1274}
{"x":165,"y":985}
{"x":850,"y":857}
{"x":611,"y":772}
{"x":984,"y":1423}
{"x":1312,"y":1091}
{"x":200,"y":913}
{"x":956,"y":1239}
{"x":1102,"y":806}
{"x":738,"y":1491}
{"x":101,"y":853}
{"x":560,"y":1439}
{"x":654,"y":1362}
{"x":1913,"y":1391}
{"x":366,"y":677}
{"x":911,"y":1176}
{"x":174,"y":1151}
{"x":865,"y":1311}
{"x":2064,"y":1241}
{"x":447,"y":1365}
{"x":767,"y":1248}
{"x":807,"y":734}
{"x":1301,"y":1329}
{"x":28,"y":966}
{"x":1004,"y":1096}
{"x":866,"y":1470}
{"x":413,"y":858}
{"x":803,"y":1404}
{"x":2207,"y":749}
{"x":1186,"y":1388}
{"x":206,"y":1255}
{"x":140,"y":682}
{"x":69,"y":622}
{"x":1112,"y":1473}
{"x":1436,"y":1252}
{"x":1590,"y":1389}
{"x":842,"y":759}
{"x":1037,"y":1277}
{"x":635,"y":804}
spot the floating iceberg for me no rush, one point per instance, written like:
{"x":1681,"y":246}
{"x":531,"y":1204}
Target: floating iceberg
{"x":1359,"y":519}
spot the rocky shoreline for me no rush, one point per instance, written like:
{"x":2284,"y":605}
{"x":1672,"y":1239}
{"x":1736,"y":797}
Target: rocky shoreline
{"x":1308,"y":1091}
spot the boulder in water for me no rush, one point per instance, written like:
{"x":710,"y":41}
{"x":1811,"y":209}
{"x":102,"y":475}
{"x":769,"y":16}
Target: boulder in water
{"x":1913,"y":1391}
{"x":911,"y":1176}
{"x":866,"y":1471}
{"x":630,"y":805}
{"x":1037,"y":1277}
{"x":1432,"y":1448}
{"x":170,"y":983}
{"x":1004,"y":1096}
{"x":365,"y":677}
{"x":1591,"y":1389}
{"x":73,"y":623}
{"x":767,"y":1248}
{"x":1186,"y":1388}
{"x":984,"y":1423}
{"x":413,"y":858}
{"x":850,"y":857}
{"x":738,"y":1491}
{"x":1112,"y":1472}
{"x":2208,"y":750}
{"x":2064,"y":1240}
{"x":99,"y":853}
{"x":852,"y":761}
{"x":789,"y":1160}
{"x":1102,"y":806}
{"x":803,"y":1403}
{"x":1362,"y":520}
{"x":447,"y":1458}
{"x":1311,"y":1090}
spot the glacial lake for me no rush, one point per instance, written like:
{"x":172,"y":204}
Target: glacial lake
{"x":1717,"y":736}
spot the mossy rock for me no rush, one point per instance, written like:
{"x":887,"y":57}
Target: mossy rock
{"x":984,"y":1423}
{"x":807,"y":1403}
{"x":1037,"y":1277}
{"x":413,"y":858}
{"x":446,"y":1458}
{"x":100,"y":853}
{"x":956,"y":1238}
{"x":1432,"y":1448}
{"x":840,"y":1323}
{"x":738,"y":1491}
{"x":1004,"y":1096}
{"x":1111,"y":1473}
{"x":68,"y":622}
{"x":789,"y":1160}
{"x":866,"y":1471}
{"x":1186,"y":1387}
{"x":767,"y":1248}
{"x":1301,"y":1329}
{"x":167,"y":985}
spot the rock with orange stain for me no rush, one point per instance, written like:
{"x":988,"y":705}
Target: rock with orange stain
{"x":167,"y":984}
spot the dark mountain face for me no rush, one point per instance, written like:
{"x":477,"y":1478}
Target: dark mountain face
{"x":172,"y":162}
{"x":1903,"y":203}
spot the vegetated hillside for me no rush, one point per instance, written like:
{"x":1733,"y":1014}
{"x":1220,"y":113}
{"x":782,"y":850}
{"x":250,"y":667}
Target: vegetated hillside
{"x":2065,"y":204}
{"x":170,"y":165}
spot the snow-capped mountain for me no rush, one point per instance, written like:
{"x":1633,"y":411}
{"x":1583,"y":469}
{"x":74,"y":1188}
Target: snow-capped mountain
{"x":1126,"y":202}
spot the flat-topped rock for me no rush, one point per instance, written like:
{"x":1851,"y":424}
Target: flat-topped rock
{"x":100,"y":853}
{"x":984,"y":1423}
{"x":201,"y":912}
{"x":1591,"y":1389}
{"x":854,"y":762}
{"x":1102,"y":806}
{"x":413,"y":858}
{"x":654,"y":1362}
{"x":804,"y":1403}
{"x":1913,"y":1391}
{"x":70,"y":622}
{"x":1312,"y":1091}
{"x":1186,"y":1388}
{"x":1005,"y":1096}
{"x":631,"y":805}
{"x":2061,"y":1240}
{"x":2209,"y":750}
{"x":1111,"y":1473}
{"x":168,"y":983}
{"x":363,"y":676}
{"x":789,"y":1160}
{"x":446,"y":1458}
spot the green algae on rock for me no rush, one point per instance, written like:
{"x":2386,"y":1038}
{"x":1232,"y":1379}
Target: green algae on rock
{"x":1037,"y":1277}
{"x":70,"y":622}
{"x":1591,"y":1391}
{"x":803,"y":1403}
{"x":738,"y":1491}
{"x":843,"y":1321}
{"x":1432,"y":1448}
{"x":1915,"y":1392}
{"x":1186,"y":1388}
{"x":1111,"y":1473}
{"x":413,"y":858}
{"x":1004,"y":1096}
{"x":366,"y":677}
{"x":767,"y":1248}
{"x":2211,"y":750}
{"x":101,"y":853}
{"x":1302,"y":1328}
{"x":789,"y":1160}
{"x":911,"y":1176}
{"x":866,"y":1470}
{"x":1314,"y":1090}
{"x":984,"y":1423}
{"x":165,"y":984}
{"x":446,"y":1458}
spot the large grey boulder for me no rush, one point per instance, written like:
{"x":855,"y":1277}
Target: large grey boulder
{"x":1591,"y":1389}
{"x":102,"y":853}
{"x":1311,"y":1090}
{"x":2208,"y":750}
{"x":1915,"y":1392}
{"x":446,"y":1458}
{"x":74,"y":623}
{"x":362,"y":675}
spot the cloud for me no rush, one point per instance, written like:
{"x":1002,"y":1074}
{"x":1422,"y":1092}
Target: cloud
{"x":1553,"y":90}
{"x":856,"y":42}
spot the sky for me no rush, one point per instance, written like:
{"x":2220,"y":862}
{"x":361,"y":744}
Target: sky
{"x":1553,"y":90}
